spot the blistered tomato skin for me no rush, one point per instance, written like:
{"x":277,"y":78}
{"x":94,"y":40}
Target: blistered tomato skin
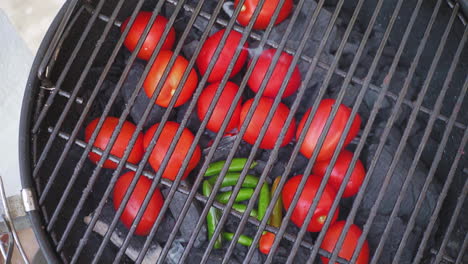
{"x":120,"y":144}
{"x":221,"y":108}
{"x":180,"y":152}
{"x":136,"y":201}
{"x":349,"y":245}
{"x":305,"y":202}
{"x":274,"y":128}
{"x":225,"y":56}
{"x":153,"y":38}
{"x":339,"y":172}
{"x":172,"y":81}
{"x":334,"y":133}
{"x":278,"y":75}
{"x":266,"y":13}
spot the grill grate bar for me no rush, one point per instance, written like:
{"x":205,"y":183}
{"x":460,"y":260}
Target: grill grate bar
{"x":274,"y":153}
{"x":453,"y":221}
{"x":56,"y":42}
{"x":324,"y":66}
{"x":262,"y":133}
{"x":67,"y":95}
{"x":282,"y":182}
{"x":183,"y":123}
{"x":426,"y":185}
{"x":460,"y":14}
{"x":60,"y":80}
{"x":320,"y":140}
{"x":106,"y":152}
{"x":198,"y":180}
{"x":348,"y":125}
{"x":441,"y":199}
{"x":74,"y":133}
{"x":191,"y":107}
{"x":229,"y":159}
{"x":209,"y":201}
{"x":307,"y":171}
{"x":67,"y":108}
{"x":67,"y":66}
{"x":139,"y":127}
{"x":424,"y":139}
{"x":185,"y":190}
{"x":372,"y":118}
{"x":404,"y":138}
{"x":462,"y":251}
{"x":392,"y":118}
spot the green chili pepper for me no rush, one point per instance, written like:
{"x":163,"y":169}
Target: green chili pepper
{"x":231,"y":179}
{"x":236,"y":165}
{"x":242,"y":207}
{"x":277,"y":214}
{"x":243,"y":195}
{"x":263,"y":201}
{"x":267,"y":239}
{"x":243,"y":240}
{"x":212,"y":218}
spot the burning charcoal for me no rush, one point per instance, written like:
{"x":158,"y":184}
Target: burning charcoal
{"x":394,"y":239}
{"x":216,"y":256}
{"x":117,"y":237}
{"x":225,"y":146}
{"x":392,"y":192}
{"x":193,"y":122}
{"x":191,"y":218}
{"x":176,"y":251}
{"x":142,"y":100}
{"x":313,"y":42}
{"x":189,"y":48}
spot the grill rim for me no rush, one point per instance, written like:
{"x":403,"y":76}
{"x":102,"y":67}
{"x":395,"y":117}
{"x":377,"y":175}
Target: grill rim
{"x":31,"y":99}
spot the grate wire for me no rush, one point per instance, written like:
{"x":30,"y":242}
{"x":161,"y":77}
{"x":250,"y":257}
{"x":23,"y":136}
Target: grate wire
{"x":416,"y":107}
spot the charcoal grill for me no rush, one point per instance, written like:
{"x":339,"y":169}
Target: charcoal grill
{"x":82,"y":53}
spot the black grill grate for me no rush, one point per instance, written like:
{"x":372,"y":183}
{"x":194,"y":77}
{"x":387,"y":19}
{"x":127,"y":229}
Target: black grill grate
{"x":96,"y":12}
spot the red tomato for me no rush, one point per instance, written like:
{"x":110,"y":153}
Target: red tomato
{"x":279,"y":74}
{"x":222,"y":106}
{"x":225,"y":57}
{"x":349,"y":244}
{"x":120,"y":143}
{"x":179,"y":154}
{"x":266,"y":241}
{"x":153,"y":37}
{"x":136,"y":200}
{"x":266,"y":12}
{"x":339,"y":171}
{"x":274,"y":128}
{"x":172,"y":81}
{"x":334,"y":133}
{"x":305,"y":202}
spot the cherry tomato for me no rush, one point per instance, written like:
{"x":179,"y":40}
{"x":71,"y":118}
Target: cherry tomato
{"x":339,"y":171}
{"x":120,"y":143}
{"x":349,"y":244}
{"x":136,"y":200}
{"x":154,"y":36}
{"x":265,"y":242}
{"x":305,"y":202}
{"x":225,"y":57}
{"x":334,"y":133}
{"x":220,"y":111}
{"x":172,"y":81}
{"x":279,"y":74}
{"x":275,"y":126}
{"x":266,"y":12}
{"x":179,"y":154}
